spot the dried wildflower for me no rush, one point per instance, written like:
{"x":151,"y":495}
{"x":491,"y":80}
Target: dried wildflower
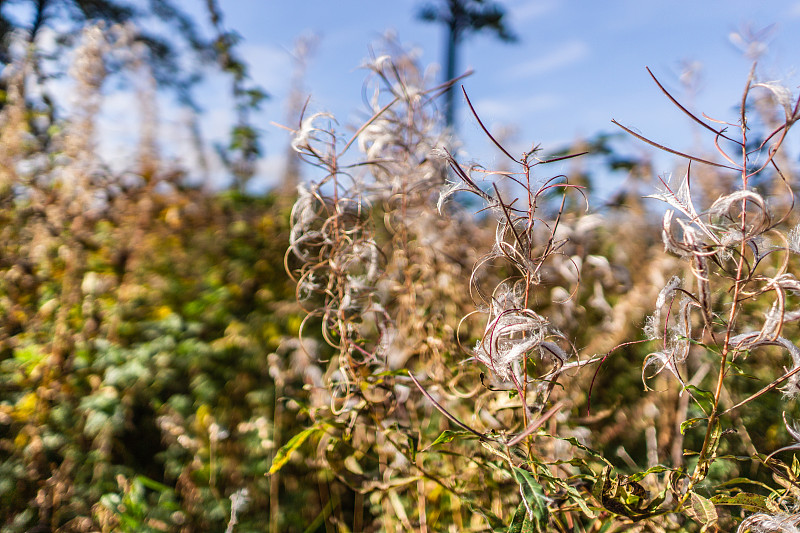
{"x":450,"y":189}
{"x":676,"y":344}
{"x":756,"y":222}
{"x":794,"y":239}
{"x":239,"y":501}
{"x":512,"y":332}
{"x":365,"y":291}
{"x":765,"y":523}
{"x":733,"y":221}
{"x":783,"y":96}
{"x":749,"y":341}
{"x":309,"y":134}
{"x":667,"y":293}
{"x":680,"y":199}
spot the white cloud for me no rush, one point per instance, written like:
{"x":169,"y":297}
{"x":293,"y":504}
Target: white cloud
{"x":527,"y":11}
{"x":567,"y":54}
{"x":493,"y":110}
{"x":794,"y":10}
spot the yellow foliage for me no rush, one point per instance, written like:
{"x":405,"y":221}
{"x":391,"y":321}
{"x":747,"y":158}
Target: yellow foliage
{"x":26,"y":407}
{"x":163,"y":312}
{"x":21,"y":440}
{"x":203,"y":417}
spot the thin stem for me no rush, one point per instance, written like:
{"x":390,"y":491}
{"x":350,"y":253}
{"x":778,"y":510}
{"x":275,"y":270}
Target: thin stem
{"x":763,"y":390}
{"x":703,"y":460}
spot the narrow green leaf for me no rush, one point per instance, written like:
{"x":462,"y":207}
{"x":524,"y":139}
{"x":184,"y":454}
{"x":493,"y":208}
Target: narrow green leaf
{"x":652,"y":470}
{"x":698,"y":394}
{"x":285,"y":452}
{"x":599,"y":489}
{"x":580,"y":500}
{"x":713,"y":444}
{"x":658,"y":500}
{"x":740,"y":371}
{"x":686,"y":424}
{"x":564,"y":484}
{"x":708,"y":455}
{"x":448,"y":435}
{"x":744,"y":481}
{"x":518,"y":520}
{"x":746,"y":500}
{"x":573,"y":441}
{"x":413,"y":446}
{"x":494,"y":521}
{"x":533,"y":497}
{"x":152,"y":484}
{"x":397,"y":372}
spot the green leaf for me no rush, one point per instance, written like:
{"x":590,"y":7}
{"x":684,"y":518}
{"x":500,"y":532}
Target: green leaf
{"x":413,"y":446}
{"x":521,"y":522}
{"x":686,"y":424}
{"x":580,"y":500}
{"x":573,"y":441}
{"x":494,"y":521}
{"x":152,"y":484}
{"x":533,"y":497}
{"x":658,"y":500}
{"x":716,"y":433}
{"x":449,"y":435}
{"x":745,"y":481}
{"x":740,"y":371}
{"x":397,"y":372}
{"x":283,"y":454}
{"x":652,"y":470}
{"x":602,"y":485}
{"x":564,"y":483}
{"x":700,"y":394}
{"x":746,"y":500}
{"x":633,"y":494}
{"x":624,"y":496}
{"x":702,"y":510}
{"x":710,"y":452}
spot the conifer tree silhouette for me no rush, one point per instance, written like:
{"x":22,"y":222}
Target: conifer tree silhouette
{"x":461,"y":18}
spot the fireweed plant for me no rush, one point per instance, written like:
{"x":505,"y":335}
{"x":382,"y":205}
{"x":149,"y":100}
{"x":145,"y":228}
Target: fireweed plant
{"x":526,"y":243}
{"x":379,"y":269}
{"x":739,"y":258}
{"x":429,"y":420}
{"x":375,"y":267}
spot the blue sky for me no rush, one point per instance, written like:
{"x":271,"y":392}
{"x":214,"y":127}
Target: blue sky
{"x":577,"y":65}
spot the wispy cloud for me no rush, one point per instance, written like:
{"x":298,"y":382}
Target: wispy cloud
{"x":510,"y":110}
{"x":567,"y":54}
{"x":527,"y":11}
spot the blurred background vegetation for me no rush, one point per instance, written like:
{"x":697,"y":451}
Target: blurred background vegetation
{"x":157,"y":372}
